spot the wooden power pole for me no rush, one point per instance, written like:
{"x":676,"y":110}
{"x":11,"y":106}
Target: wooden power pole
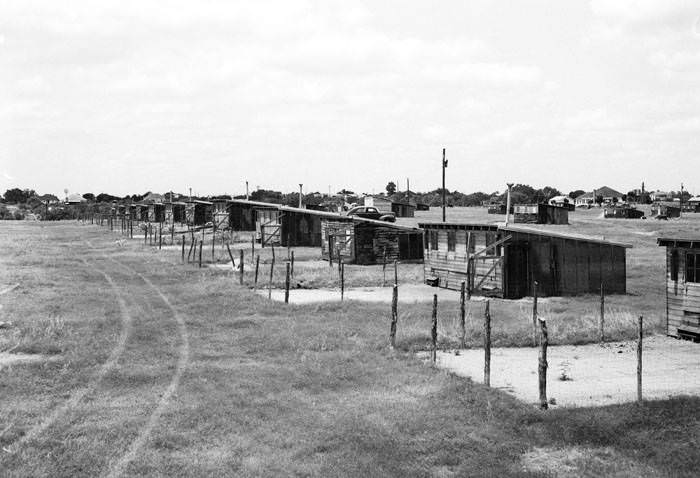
{"x":444,"y":194}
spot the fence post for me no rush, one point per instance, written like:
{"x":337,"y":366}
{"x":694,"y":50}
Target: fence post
{"x":233,"y":263}
{"x":534,"y":314}
{"x":602,"y":313}
{"x":396,"y":272}
{"x":286,"y":285}
{"x":394,"y":315}
{"x":542,"y":365}
{"x":252,"y":247}
{"x":240,"y":277}
{"x":213,"y":244}
{"x":342,"y":282}
{"x":462,"y":316}
{"x":639,"y":359}
{"x":183,"y":248}
{"x":269,"y":285}
{"x":433,"y":331}
{"x":192,"y":245}
{"x":384,"y":268}
{"x":257,"y":268}
{"x":292,"y":267}
{"x":145,"y":236}
{"x":160,"y":236}
{"x":487,"y":344}
{"x":201,"y":246}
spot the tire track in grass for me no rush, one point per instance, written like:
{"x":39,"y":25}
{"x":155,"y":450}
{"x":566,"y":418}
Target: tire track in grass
{"x":120,"y":466}
{"x":75,"y":398}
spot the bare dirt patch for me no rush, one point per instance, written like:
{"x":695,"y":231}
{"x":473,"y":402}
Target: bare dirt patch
{"x":587,"y":375}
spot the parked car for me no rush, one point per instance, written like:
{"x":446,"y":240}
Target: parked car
{"x":371,"y":212}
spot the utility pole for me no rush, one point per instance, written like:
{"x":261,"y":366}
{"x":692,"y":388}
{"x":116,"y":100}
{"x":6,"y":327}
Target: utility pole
{"x":681,"y":213}
{"x":408,"y":191}
{"x":300,"y":189}
{"x":510,"y":185}
{"x":247,"y":196}
{"x":444,"y":194}
{"x":190,"y":194}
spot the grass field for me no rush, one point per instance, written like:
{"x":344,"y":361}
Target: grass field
{"x":160,"y":368}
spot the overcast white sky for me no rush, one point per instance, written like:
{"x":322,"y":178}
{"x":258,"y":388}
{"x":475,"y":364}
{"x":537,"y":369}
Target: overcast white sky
{"x":129,"y":96}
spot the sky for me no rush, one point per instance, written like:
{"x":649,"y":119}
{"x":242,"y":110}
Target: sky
{"x":127,"y":96}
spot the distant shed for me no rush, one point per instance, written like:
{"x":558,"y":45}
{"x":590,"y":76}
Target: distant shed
{"x":505,"y":261}
{"x":365,"y":241}
{"x":666,"y":209}
{"x":221,"y":213}
{"x":540,"y":214}
{"x":403,"y":209}
{"x":198,"y":213}
{"x":622,"y":212}
{"x":682,"y":286}
{"x":382,"y":203}
{"x":301,"y":227}
{"x":156,"y":212}
{"x":496,"y":208}
{"x":175,"y":213}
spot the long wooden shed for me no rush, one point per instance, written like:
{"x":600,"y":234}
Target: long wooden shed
{"x":666,"y":209}
{"x":366,"y":241}
{"x":622,"y":212}
{"x":505,"y":261}
{"x":540,"y":214}
{"x":198,"y":212}
{"x":682,"y":286}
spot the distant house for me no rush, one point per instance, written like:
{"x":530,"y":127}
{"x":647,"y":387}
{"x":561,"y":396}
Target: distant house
{"x":151,"y":198}
{"x":608,"y":194}
{"x":382,"y":203}
{"x":658,"y":196}
{"x":666,"y":209}
{"x":386,"y":204}
{"x":694,"y":204}
{"x":540,"y":214}
{"x":75,"y":198}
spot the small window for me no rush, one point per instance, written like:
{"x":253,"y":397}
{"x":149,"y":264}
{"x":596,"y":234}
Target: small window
{"x":674,"y":265}
{"x":433,"y":238}
{"x":692,"y":267}
{"x":451,"y":241}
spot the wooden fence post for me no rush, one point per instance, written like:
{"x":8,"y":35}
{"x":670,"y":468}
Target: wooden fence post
{"x":602,"y":314}
{"x":286,"y":285}
{"x":487,"y":344}
{"x":145,"y":236}
{"x":292,"y":267}
{"x":160,"y":236}
{"x":394,"y":315}
{"x":257,"y":268}
{"x":396,"y":272}
{"x":172,"y":234}
{"x":233,"y":263}
{"x":269,"y":285}
{"x":639,"y":359}
{"x":462,"y":316}
{"x":433,"y":330}
{"x":542,"y":365}
{"x":252,"y":247}
{"x":342,"y":282}
{"x":213,"y":244}
{"x":534,"y":314}
{"x":192,"y":245}
{"x":183,"y":248}
{"x":201,"y":246}
{"x":242,"y":265}
{"x":384,"y":268}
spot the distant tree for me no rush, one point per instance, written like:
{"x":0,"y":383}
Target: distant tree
{"x":345,"y":192}
{"x":390,"y":188}
{"x":577,"y":193}
{"x":548,"y":192}
{"x":89,"y":196}
{"x":631,"y":196}
{"x":104,"y":197}
{"x":18,"y":196}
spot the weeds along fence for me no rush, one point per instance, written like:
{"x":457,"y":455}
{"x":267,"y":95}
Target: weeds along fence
{"x":468,"y":323}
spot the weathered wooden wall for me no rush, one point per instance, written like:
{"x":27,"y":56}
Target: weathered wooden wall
{"x":403,"y":210}
{"x":242,"y":217}
{"x":268,"y":225}
{"x":622,"y":213}
{"x":682,"y":297}
{"x":221,"y":215}
{"x":300,"y":229}
{"x":338,"y":234}
{"x":371,"y":240}
{"x":540,"y":214}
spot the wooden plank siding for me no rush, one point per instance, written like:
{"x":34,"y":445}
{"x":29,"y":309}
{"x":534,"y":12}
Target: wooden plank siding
{"x":682,"y":295}
{"x":300,"y":229}
{"x":540,"y":214}
{"x":241,"y":217}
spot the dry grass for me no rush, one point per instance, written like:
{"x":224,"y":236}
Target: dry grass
{"x":274,"y":390}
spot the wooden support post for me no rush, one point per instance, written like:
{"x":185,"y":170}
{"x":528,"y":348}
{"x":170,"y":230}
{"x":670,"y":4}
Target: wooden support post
{"x":257,"y":268}
{"x":394,"y":315}
{"x":201,"y":246}
{"x":396,"y":272}
{"x":292,"y":266}
{"x":242,"y":266}
{"x":487,"y":344}
{"x":639,"y":359}
{"x":342,"y":282}
{"x":433,"y":330}
{"x":160,"y":236}
{"x":601,"y":324}
{"x":470,"y":282}
{"x":286,"y":285}
{"x":535,"y":332}
{"x":183,"y":248}
{"x":542,"y":365}
{"x":269,"y":285}
{"x":462,"y":316}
